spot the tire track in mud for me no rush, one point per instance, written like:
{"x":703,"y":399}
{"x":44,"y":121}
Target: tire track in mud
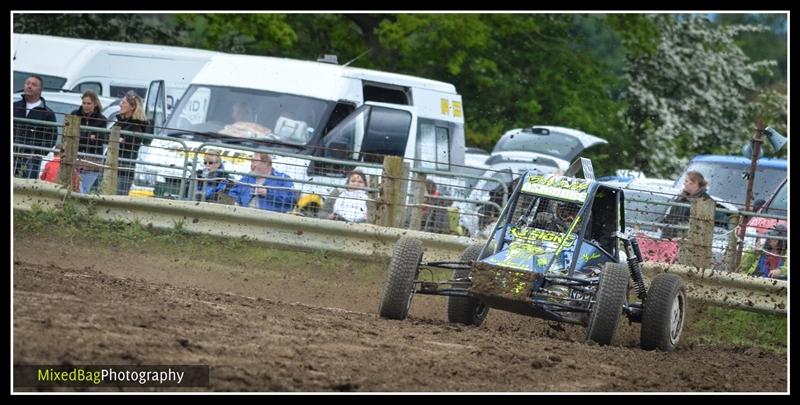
{"x":282,"y":337}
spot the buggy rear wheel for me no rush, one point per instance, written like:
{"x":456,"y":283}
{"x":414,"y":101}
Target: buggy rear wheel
{"x":398,"y":288}
{"x":610,"y":299}
{"x":466,"y":310}
{"x":664,"y":313}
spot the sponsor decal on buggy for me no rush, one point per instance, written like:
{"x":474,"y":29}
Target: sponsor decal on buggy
{"x":563,"y":188}
{"x":536,"y":234}
{"x":590,"y":256}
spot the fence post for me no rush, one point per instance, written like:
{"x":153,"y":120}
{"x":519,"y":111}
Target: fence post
{"x":109,"y":186}
{"x":392,"y":195}
{"x":695,"y":250}
{"x":733,"y":242}
{"x":373,"y":184}
{"x":69,"y":150}
{"x":418,"y":198}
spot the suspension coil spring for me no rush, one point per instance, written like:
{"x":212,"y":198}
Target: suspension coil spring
{"x":635,"y":268}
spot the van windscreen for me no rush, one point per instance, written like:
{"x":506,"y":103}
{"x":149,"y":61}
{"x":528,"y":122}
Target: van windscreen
{"x":250,"y":114}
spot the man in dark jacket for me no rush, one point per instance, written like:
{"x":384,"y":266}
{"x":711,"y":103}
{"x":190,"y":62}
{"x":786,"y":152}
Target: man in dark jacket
{"x":31,"y":141}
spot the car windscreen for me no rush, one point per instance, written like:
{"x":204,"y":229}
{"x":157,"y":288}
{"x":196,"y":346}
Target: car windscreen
{"x":778,"y":204}
{"x":249,"y":114}
{"x":728,"y":181}
{"x":556,"y":144}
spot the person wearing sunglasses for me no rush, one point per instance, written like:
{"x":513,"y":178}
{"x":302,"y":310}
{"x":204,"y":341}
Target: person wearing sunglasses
{"x":217,"y":178}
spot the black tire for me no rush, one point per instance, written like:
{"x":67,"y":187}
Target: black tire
{"x":399,"y":286}
{"x":466,"y":310}
{"x":609,"y":300}
{"x":664,"y":313}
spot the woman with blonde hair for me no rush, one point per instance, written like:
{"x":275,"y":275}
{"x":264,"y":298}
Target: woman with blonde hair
{"x":130,"y":118}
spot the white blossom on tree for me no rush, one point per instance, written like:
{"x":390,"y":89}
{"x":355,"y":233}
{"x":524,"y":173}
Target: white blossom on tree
{"x":694,"y":94}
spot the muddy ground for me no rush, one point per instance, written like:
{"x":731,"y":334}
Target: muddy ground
{"x":300,"y":332}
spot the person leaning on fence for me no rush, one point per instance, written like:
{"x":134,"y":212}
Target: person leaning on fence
{"x":217,"y":182}
{"x":32,"y":141}
{"x":272,"y":194}
{"x":51,"y":168}
{"x":351,"y":204}
{"x":694,"y":187}
{"x":769,"y":260}
{"x":90,"y":142}
{"x":130,"y":118}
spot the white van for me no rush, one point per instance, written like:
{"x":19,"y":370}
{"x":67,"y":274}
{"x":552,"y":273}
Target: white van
{"x":301,"y":105}
{"x":108,"y":68}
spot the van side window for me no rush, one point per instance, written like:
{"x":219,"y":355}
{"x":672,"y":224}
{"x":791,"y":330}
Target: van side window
{"x":340,"y":112}
{"x":433,"y":146}
{"x":119,"y":91}
{"x":386,"y":94}
{"x":93,"y":86}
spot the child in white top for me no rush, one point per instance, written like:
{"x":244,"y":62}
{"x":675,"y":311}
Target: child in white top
{"x":351,"y":205}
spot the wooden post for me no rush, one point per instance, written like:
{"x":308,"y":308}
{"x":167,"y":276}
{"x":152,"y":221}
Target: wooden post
{"x":390,"y":204}
{"x":418,"y":197}
{"x":69,"y":150}
{"x":109,"y":186}
{"x":695,"y":250}
{"x":373,"y":197}
{"x":733,"y":242}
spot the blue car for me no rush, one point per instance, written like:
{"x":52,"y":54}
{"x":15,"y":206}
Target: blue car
{"x":559,"y":253}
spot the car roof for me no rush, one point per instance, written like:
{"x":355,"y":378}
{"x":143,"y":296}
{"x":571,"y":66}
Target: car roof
{"x":472,"y":149}
{"x":741,"y":160}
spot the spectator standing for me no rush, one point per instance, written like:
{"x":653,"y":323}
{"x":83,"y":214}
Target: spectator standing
{"x":770,"y":260}
{"x":33,"y":140}
{"x":91,"y":142}
{"x":264,"y":188}
{"x":351,"y":204}
{"x":217,"y":179}
{"x":51,"y":168}
{"x":130,"y":118}
{"x":695,"y":187}
{"x":434,"y":215}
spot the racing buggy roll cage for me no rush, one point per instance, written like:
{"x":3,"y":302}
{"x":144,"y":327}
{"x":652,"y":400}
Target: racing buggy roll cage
{"x":530,"y":271}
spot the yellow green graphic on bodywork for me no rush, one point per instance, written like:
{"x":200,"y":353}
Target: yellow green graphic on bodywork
{"x":563,"y":188}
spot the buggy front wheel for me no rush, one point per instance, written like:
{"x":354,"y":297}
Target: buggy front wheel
{"x":466,"y":310}
{"x":664,"y":313}
{"x":609,"y":300}
{"x":399,"y":286}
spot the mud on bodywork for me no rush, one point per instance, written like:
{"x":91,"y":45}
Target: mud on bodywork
{"x":504,"y":288}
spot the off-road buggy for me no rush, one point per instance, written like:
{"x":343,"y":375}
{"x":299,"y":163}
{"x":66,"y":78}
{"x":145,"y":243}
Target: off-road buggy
{"x":558,"y":253}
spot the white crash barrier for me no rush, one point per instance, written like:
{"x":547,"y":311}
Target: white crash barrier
{"x":363,"y":240}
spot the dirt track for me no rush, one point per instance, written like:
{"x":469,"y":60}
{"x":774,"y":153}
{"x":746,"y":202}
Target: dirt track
{"x":294,"y":333}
